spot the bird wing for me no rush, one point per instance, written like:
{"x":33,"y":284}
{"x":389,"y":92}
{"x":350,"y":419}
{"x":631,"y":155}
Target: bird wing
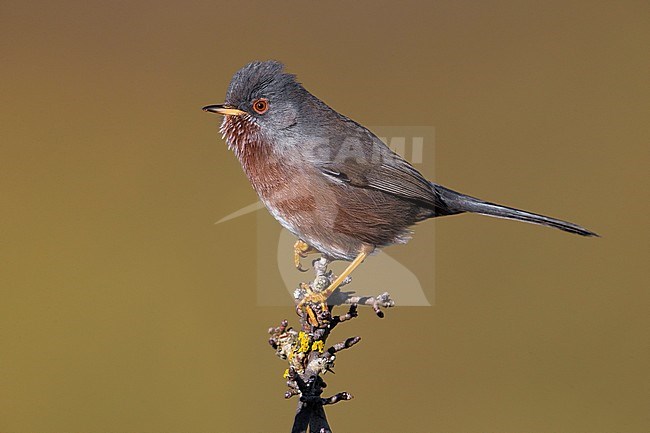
{"x":366,"y":162}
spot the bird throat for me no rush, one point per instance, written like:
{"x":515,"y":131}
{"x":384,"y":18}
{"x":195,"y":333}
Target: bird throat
{"x":264,"y":169}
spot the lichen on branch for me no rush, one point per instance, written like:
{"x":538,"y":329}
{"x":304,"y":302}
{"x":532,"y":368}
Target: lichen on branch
{"x":306,"y":350}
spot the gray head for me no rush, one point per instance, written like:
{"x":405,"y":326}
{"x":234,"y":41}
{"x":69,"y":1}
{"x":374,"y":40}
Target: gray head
{"x":262,"y":94}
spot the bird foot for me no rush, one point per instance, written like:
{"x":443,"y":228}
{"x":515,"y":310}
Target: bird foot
{"x":300,"y":250}
{"x":314,"y":305}
{"x":318,"y":300}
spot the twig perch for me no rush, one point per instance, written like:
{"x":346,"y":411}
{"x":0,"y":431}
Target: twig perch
{"x":306,"y":352}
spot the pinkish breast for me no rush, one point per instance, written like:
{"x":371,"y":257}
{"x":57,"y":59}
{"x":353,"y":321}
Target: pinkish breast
{"x":283,"y":188}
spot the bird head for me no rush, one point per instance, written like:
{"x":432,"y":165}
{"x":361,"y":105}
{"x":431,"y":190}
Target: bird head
{"x":262,"y":101}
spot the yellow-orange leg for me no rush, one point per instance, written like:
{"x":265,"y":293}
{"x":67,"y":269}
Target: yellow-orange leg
{"x":300,"y":250}
{"x":321,"y":297}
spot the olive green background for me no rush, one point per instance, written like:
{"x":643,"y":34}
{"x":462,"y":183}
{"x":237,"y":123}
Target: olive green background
{"x":125,"y":309}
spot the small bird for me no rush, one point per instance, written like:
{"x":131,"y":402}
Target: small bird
{"x":330,"y":181}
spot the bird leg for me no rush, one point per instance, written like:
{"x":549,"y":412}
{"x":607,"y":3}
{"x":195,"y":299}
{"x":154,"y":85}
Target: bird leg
{"x":321,"y":297}
{"x":300,"y":250}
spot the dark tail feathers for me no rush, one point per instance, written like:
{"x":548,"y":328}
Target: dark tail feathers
{"x":457,"y":203}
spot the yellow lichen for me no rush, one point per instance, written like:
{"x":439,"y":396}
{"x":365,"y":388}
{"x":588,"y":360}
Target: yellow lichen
{"x":318,"y":345}
{"x":286,"y":374}
{"x":303,"y":342}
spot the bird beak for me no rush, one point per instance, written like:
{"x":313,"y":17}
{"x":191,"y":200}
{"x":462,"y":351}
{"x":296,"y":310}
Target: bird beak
{"x":223,"y":109}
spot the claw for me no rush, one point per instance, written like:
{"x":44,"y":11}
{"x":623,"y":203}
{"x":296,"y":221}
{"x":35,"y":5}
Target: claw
{"x":315,"y":298}
{"x":300,"y":250}
{"x":305,"y":305}
{"x":313,"y":320}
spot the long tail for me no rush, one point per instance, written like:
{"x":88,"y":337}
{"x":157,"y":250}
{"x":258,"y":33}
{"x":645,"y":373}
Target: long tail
{"x":458,"y":203}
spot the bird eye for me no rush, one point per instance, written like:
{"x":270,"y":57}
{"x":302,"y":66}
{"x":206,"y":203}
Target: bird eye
{"x":261,"y":105}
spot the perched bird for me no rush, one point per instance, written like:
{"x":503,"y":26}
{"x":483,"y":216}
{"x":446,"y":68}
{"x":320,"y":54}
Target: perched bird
{"x":327,"y":179}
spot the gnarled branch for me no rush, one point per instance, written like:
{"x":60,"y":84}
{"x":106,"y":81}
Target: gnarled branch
{"x":305,"y":351}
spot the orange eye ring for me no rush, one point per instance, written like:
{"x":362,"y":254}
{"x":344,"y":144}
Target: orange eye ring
{"x":261,"y":105}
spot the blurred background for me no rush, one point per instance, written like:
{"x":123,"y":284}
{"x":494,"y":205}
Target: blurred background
{"x":126,"y":309}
